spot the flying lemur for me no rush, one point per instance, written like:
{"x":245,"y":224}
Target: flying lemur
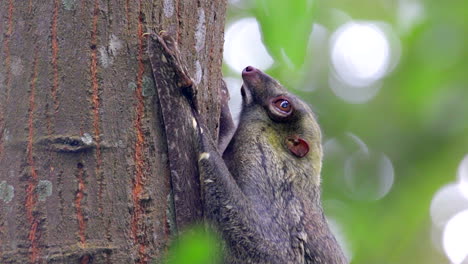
{"x":262,"y":192}
{"x":260,"y":182}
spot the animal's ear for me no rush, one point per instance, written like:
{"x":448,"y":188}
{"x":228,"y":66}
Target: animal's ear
{"x":297,"y":146}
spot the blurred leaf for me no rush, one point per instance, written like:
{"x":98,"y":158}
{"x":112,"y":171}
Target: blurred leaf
{"x":286,"y":27}
{"x":195,"y":246}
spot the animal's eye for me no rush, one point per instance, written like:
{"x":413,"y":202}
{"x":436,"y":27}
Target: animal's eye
{"x":280,"y":108}
{"x":283,"y":105}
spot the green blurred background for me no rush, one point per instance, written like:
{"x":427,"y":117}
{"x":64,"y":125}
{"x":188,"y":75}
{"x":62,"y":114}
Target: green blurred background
{"x":395,"y":132}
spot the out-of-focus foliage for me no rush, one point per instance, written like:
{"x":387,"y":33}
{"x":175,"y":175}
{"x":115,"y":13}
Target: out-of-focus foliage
{"x":416,"y":125}
{"x":285,"y":42}
{"x":195,"y":246}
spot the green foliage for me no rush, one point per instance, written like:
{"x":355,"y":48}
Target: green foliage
{"x":287,"y":41}
{"x":195,"y":246}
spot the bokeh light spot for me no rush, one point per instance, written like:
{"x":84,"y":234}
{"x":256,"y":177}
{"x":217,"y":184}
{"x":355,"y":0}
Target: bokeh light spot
{"x":410,"y":13}
{"x":448,"y":201}
{"x":235,"y":101}
{"x":455,"y":238}
{"x":354,"y":95}
{"x":339,"y":234}
{"x":463,"y":176}
{"x":360,"y":53}
{"x":368,"y":176}
{"x":243,"y":46}
{"x":317,"y":50}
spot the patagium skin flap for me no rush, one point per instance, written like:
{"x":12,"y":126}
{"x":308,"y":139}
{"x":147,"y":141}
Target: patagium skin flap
{"x":263,"y":195}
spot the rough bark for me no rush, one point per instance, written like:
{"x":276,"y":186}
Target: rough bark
{"x":84,"y":166}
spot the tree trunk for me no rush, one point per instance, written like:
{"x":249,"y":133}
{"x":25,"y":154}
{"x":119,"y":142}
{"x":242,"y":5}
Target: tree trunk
{"x":85,"y":172}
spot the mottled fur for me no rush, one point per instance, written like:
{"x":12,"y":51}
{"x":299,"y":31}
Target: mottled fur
{"x":264,"y":200}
